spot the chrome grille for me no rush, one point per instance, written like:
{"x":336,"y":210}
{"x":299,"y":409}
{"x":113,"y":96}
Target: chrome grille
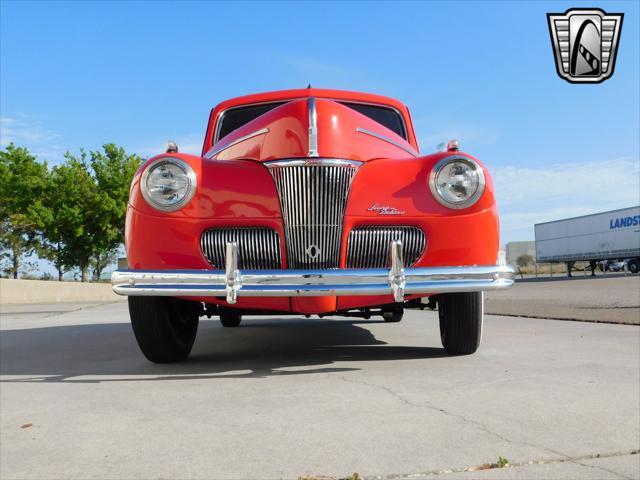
{"x":368,"y":247}
{"x":313,"y":196}
{"x":258,"y":247}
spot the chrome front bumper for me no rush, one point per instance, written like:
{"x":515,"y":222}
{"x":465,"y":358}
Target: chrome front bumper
{"x":397,"y":281}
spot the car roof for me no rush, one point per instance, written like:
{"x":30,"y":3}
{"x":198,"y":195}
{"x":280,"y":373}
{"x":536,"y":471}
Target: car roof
{"x":310,"y":92}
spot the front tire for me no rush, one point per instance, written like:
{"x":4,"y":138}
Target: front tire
{"x":633,"y":266}
{"x":461,"y":321}
{"x":165,"y":328}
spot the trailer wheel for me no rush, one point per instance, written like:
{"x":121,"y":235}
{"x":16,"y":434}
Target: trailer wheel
{"x":393,"y":315}
{"x":633,"y":266}
{"x":461,"y":317}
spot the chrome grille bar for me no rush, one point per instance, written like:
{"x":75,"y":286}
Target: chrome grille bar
{"x":368,"y":246}
{"x":313,"y":197}
{"x":258,"y":247}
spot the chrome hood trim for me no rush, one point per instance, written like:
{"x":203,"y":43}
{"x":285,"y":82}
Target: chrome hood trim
{"x":313,"y":128}
{"x":296,"y":162}
{"x":215,"y":151}
{"x":384,"y":138}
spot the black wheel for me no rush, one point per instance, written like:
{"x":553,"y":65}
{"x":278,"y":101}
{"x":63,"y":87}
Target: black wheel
{"x":165,"y":328}
{"x":633,"y":266}
{"x":230,"y":319}
{"x":460,"y":321}
{"x":393,"y":316}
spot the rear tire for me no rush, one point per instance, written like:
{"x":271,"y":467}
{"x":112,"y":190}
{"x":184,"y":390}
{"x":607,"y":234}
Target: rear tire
{"x":165,"y":328}
{"x":230,"y":319}
{"x":633,"y":266}
{"x":461,"y":321}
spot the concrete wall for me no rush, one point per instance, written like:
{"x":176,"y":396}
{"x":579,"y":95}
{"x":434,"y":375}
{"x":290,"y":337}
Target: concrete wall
{"x":39,"y":291}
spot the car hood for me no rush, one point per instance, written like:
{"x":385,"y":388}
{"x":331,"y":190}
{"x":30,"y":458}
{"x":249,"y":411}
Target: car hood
{"x":312,"y":127}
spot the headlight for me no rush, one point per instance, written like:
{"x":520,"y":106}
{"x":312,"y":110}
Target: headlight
{"x":168,"y":184}
{"x":457,"y":182}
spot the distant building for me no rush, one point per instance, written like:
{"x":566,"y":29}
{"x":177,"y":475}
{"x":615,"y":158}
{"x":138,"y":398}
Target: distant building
{"x":502,"y":256}
{"x":514,"y":249}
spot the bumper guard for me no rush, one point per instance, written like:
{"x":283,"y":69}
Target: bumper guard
{"x":398,"y":281}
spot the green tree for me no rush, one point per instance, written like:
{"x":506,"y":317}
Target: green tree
{"x":113,"y":169}
{"x":73,"y":216}
{"x":23,"y":183}
{"x":524,"y":260}
{"x":87,"y":208}
{"x":102,"y":260}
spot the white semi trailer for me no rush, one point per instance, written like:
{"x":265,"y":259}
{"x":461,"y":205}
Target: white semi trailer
{"x":608,"y":236}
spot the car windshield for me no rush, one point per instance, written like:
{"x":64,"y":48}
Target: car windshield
{"x":235,"y":118}
{"x":385,"y":116}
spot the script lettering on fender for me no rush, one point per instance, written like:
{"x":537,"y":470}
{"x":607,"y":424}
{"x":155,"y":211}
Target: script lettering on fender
{"x":385,"y":210}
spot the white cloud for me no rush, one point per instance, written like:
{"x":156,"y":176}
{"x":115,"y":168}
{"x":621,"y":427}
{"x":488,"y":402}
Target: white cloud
{"x":433,"y":130}
{"x":616,"y":179}
{"x":24,"y":129}
{"x":191,"y":144}
{"x":28,"y":131}
{"x":529,"y":195}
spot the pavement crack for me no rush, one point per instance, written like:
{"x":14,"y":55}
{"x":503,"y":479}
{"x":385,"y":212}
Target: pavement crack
{"x":464,"y":419}
{"x":84,"y":307}
{"x":390,"y":392}
{"x":603,"y":469}
{"x":576,"y":460}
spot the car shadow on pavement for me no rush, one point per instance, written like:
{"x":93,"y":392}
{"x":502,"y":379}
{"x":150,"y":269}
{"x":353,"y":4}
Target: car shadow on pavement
{"x":107,"y":352}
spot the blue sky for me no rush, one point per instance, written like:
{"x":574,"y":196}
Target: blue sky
{"x":82,"y":74}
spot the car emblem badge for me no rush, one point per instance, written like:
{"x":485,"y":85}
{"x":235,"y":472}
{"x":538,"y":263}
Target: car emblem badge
{"x":385,"y":210}
{"x":585,"y":43}
{"x":312,"y":252}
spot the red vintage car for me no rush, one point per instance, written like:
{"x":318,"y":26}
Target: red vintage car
{"x":309,"y":202}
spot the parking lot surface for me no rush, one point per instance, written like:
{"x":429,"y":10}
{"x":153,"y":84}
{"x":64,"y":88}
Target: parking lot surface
{"x":289,"y":397}
{"x":613,"y":298}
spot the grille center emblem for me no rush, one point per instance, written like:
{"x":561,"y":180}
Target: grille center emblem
{"x":312,"y":252}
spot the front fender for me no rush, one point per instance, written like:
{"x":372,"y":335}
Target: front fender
{"x":225,"y":189}
{"x":403,"y":185}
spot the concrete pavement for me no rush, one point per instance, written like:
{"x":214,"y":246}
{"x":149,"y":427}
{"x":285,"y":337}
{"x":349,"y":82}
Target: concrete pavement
{"x":282,"y":398}
{"x":613,"y":298}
